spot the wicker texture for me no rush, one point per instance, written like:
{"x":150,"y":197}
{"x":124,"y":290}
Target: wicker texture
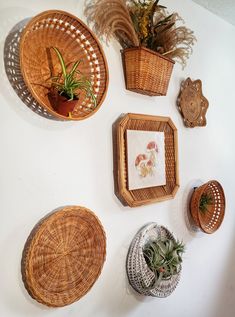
{"x":192,"y":104}
{"x":75,"y":41}
{"x":210,"y":220}
{"x":63,"y":256}
{"x":138,"y":272}
{"x":143,"y":196}
{"x":146,"y":72}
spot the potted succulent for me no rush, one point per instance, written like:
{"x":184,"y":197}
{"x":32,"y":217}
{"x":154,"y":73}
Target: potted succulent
{"x":164,"y":258}
{"x":150,"y":37}
{"x":67,"y":85}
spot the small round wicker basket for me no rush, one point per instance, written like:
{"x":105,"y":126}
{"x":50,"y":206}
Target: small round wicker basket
{"x":75,"y":41}
{"x":63,"y":256}
{"x":210,"y":220}
{"x":138,"y":272}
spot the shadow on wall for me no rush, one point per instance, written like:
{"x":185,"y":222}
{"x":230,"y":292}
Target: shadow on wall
{"x":225,"y":303}
{"x":13,"y":71}
{"x":182,"y":223}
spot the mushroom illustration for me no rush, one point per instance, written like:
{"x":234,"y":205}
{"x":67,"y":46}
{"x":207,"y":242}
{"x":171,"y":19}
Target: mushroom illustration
{"x":141,"y":166}
{"x":152,"y":148}
{"x":139,"y":158}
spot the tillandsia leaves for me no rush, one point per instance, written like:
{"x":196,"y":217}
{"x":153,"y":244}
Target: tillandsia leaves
{"x":70,"y":81}
{"x":164,"y":258}
{"x":205,"y":201}
{"x":141,"y":23}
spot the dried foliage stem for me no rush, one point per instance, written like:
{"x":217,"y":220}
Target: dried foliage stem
{"x":141,"y":23}
{"x":111,"y":19}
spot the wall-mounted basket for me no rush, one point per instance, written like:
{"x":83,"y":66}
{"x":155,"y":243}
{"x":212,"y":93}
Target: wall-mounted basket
{"x":76,"y":42}
{"x":143,"y":196}
{"x":192,"y":104}
{"x":63,"y":256}
{"x":138,"y":272}
{"x":210,"y":217}
{"x":146,"y":72}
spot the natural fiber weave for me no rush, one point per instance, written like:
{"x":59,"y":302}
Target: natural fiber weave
{"x":143,"y":196}
{"x":75,"y":41}
{"x":192,"y":104}
{"x":146,"y":72}
{"x":63,"y":256}
{"x":210,"y":220}
{"x":138,"y":272}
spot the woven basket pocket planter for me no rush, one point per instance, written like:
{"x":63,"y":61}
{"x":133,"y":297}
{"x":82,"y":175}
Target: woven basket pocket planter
{"x":138,"y":272}
{"x":146,"y":72}
{"x":63,"y":256}
{"x":211,"y":219}
{"x":75,"y":41}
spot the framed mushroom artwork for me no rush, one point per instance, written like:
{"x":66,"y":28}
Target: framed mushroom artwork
{"x":145,"y":160}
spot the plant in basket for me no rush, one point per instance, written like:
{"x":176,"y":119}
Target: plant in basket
{"x":151,"y":38}
{"x":164,"y":258}
{"x":67,"y":86}
{"x":205,"y":201}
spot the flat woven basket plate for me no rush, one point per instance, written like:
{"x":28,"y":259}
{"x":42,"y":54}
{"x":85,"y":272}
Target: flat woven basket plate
{"x":76,"y":42}
{"x":63,"y":256}
{"x":143,"y":196}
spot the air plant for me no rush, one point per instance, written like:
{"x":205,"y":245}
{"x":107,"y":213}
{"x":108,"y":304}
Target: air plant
{"x":164,"y":258}
{"x":69,"y":82}
{"x":141,"y":23}
{"x":205,"y":201}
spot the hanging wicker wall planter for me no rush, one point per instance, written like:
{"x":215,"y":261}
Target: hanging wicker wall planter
{"x":208,"y":206}
{"x":139,"y":274}
{"x":76,"y":42}
{"x":63,"y":256}
{"x":146,"y":72}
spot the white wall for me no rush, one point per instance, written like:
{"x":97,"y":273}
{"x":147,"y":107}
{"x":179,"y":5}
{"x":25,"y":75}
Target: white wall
{"x":46,"y":164}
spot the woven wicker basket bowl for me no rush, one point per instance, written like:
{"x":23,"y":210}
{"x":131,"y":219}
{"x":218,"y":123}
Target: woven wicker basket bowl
{"x":210,"y":220}
{"x":76,"y":42}
{"x":138,"y":272}
{"x":146,"y":72}
{"x":63,"y":256}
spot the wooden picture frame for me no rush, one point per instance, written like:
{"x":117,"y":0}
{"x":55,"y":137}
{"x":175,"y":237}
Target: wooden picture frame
{"x":143,"y":196}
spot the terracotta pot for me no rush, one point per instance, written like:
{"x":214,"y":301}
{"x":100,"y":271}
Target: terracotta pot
{"x":61,"y":104}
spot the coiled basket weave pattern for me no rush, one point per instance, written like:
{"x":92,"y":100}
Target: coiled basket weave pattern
{"x":63,"y":256}
{"x":210,"y":220}
{"x":138,"y":272}
{"x":76,"y":42}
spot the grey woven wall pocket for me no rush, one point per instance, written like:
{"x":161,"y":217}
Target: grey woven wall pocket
{"x":139,"y":274}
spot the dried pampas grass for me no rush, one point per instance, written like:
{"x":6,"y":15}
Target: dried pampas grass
{"x":110,"y":18}
{"x":141,"y":23}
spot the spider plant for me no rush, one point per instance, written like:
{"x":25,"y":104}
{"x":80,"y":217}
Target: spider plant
{"x":69,"y":82}
{"x":163,"y":257}
{"x":205,"y":201}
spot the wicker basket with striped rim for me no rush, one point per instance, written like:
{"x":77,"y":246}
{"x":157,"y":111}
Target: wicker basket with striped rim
{"x":210,"y":220}
{"x":146,"y":72}
{"x":138,"y":272}
{"x":63,"y":256}
{"x":75,"y":41}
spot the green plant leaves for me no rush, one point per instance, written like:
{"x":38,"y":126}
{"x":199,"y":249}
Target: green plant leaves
{"x":163,"y":257}
{"x":70,"y":82}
